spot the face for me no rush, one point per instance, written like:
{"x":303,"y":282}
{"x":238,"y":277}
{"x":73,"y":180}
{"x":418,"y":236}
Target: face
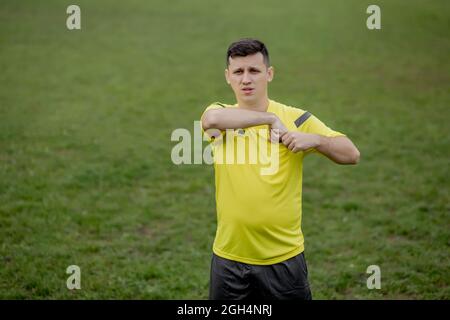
{"x":248,"y":77}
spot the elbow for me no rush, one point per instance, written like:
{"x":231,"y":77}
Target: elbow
{"x":209,"y":120}
{"x":348,"y":153}
{"x":350,"y":158}
{"x":355,"y":156}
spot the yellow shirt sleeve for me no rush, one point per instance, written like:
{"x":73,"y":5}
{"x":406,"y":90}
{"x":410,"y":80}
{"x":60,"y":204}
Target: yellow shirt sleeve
{"x":313,"y":125}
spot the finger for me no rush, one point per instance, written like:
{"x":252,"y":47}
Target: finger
{"x":287,"y":138}
{"x":291,"y":145}
{"x":284,"y":133}
{"x":281,"y":135}
{"x":274,"y":137}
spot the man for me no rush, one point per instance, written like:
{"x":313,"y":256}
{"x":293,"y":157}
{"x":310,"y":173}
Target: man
{"x":258,"y":249}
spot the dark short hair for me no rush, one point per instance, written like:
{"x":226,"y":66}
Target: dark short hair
{"x":245,"y":47}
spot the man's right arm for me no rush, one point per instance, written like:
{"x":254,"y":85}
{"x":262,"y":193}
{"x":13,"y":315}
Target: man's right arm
{"x":234,"y":118}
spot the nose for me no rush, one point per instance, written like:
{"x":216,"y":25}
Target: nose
{"x":246,"y":78}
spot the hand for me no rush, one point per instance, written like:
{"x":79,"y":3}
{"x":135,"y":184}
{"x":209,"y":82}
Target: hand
{"x":299,"y":141}
{"x":277,"y":130}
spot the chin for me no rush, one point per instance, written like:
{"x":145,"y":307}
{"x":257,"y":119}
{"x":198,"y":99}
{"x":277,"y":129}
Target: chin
{"x":249,"y":98}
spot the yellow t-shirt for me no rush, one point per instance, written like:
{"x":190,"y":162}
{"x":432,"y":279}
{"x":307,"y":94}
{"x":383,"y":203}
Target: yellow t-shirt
{"x":259,"y":189}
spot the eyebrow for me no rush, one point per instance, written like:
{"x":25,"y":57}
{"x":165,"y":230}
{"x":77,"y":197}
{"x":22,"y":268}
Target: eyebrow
{"x":251,"y":68}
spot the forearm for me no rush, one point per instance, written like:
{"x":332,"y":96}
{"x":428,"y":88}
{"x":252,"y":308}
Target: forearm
{"x":234,"y":118}
{"x":339,"y":149}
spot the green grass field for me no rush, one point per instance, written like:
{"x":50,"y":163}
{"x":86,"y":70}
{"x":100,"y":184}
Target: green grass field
{"x":86,"y":116}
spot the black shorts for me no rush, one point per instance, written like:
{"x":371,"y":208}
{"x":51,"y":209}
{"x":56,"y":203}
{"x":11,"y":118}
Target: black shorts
{"x":232,"y":280}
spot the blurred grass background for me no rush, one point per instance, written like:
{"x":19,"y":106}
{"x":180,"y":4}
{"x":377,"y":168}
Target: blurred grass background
{"x":86,"y":117}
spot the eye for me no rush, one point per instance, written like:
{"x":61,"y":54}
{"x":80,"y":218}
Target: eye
{"x":238,"y":72}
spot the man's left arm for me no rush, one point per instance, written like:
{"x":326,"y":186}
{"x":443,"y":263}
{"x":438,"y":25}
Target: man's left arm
{"x":314,"y":135}
{"x":339,"y":149}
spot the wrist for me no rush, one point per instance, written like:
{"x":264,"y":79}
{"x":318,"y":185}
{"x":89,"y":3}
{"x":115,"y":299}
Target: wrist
{"x":320,"y":140}
{"x":272,"y":118}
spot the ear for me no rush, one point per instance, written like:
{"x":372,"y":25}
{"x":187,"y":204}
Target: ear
{"x":226,"y":76}
{"x":270,"y":73}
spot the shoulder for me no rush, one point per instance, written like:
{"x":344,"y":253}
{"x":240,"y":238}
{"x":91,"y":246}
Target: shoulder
{"x":216,"y":105}
{"x":280,"y":107}
{"x":294,"y":114}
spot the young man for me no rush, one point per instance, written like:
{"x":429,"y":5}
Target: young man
{"x":258,"y":249}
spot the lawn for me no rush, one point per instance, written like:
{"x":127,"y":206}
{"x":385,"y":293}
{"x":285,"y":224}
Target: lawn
{"x":86,"y":116}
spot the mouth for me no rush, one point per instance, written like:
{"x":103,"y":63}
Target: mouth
{"x":247,"y":91}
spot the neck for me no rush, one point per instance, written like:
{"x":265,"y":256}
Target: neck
{"x":261,"y":104}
